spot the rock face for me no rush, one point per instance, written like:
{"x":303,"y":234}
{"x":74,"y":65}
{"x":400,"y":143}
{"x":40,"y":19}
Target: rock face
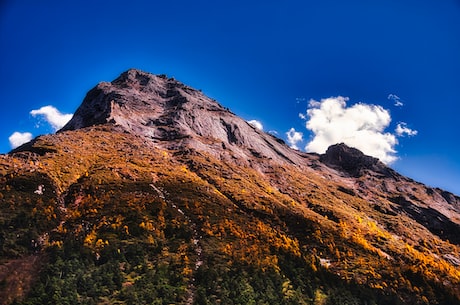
{"x":173,"y":114}
{"x":353,"y":161}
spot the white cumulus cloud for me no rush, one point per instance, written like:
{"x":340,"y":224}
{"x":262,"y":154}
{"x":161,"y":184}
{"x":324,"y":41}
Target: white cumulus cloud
{"x":402,"y":130}
{"x":294,"y":137}
{"x":256,"y":124}
{"x":361,"y":126}
{"x":54,"y":117}
{"x":50,"y":115}
{"x":19,"y":138}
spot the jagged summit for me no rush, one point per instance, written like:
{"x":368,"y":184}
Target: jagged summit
{"x":173,"y":114}
{"x":353,"y":161}
{"x":140,"y":102}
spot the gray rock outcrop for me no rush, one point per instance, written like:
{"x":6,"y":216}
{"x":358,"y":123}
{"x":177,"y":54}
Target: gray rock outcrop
{"x":173,"y":114}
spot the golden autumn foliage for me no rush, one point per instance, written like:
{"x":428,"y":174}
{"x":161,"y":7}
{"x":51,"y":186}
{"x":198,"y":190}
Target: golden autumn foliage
{"x":166,"y":217}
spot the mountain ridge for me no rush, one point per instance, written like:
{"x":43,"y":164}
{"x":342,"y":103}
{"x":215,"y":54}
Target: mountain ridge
{"x":148,"y":196}
{"x":167,"y":111}
{"x":134,"y":101}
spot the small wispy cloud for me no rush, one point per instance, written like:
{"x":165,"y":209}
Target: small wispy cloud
{"x":19,"y":138}
{"x":294,"y":137}
{"x":402,"y":130}
{"x":299,"y":100}
{"x":396,"y":99}
{"x":52,"y":116}
{"x":257,"y":124}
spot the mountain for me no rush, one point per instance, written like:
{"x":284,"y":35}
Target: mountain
{"x":175,"y":116}
{"x":154,"y":193}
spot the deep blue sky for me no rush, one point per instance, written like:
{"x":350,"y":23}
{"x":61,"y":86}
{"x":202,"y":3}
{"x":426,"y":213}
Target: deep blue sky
{"x":263,"y":59}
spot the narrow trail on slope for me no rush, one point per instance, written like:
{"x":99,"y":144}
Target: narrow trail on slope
{"x":196,"y":238}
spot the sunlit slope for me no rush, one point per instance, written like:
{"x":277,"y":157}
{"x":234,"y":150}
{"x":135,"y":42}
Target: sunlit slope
{"x":101,"y":216}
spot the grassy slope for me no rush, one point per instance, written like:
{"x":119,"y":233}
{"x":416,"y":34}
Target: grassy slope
{"x":122,"y":222}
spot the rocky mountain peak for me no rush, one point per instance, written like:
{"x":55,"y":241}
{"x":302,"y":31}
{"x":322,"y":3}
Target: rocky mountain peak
{"x":137,"y":100}
{"x":172,"y":114}
{"x":352,"y":161}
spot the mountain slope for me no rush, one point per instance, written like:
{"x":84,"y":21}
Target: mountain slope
{"x":155,"y":194}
